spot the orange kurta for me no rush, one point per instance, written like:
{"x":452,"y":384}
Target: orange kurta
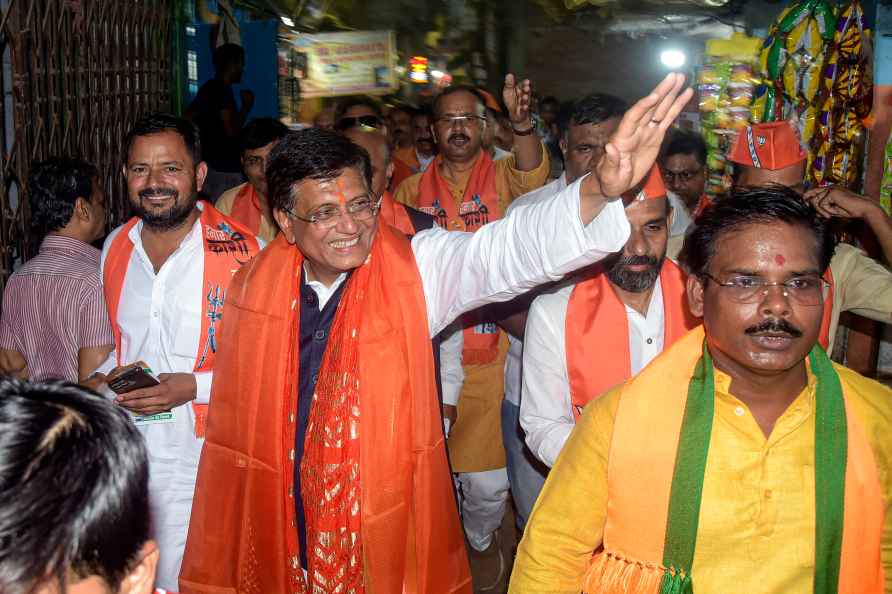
{"x":242,"y":535}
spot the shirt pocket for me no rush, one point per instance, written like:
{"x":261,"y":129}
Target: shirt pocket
{"x":186,"y":335}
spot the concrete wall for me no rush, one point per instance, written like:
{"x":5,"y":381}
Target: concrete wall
{"x":570,"y":62}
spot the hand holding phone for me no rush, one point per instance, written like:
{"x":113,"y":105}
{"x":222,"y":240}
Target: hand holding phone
{"x":134,"y":378}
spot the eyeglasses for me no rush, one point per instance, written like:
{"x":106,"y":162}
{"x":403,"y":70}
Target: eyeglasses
{"x":465,"y":119}
{"x":682,"y":176}
{"x":361,"y":209}
{"x":804,"y":290}
{"x":367,"y":121}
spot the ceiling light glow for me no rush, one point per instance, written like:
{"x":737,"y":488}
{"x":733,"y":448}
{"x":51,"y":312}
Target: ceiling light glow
{"x":672,"y":58}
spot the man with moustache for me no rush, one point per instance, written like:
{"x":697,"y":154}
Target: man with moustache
{"x":325,"y":437}
{"x":409,"y":221}
{"x":465,"y":189}
{"x":165,"y":274}
{"x":399,"y":125}
{"x":741,"y":459}
{"x":770,"y":153}
{"x":585,"y":131}
{"x":420,"y":155}
{"x":683,"y":165}
{"x":620,"y":313}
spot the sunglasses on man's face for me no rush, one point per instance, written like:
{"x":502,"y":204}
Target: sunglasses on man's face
{"x":368,"y":121}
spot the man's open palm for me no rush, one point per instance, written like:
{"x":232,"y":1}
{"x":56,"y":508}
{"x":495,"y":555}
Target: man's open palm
{"x":634,"y":146}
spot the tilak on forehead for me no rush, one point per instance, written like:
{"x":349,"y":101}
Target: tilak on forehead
{"x":342,"y":192}
{"x":779,"y":258}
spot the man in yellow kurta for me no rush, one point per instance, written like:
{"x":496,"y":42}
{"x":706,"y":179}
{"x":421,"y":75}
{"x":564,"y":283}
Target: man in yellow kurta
{"x":464,"y":189}
{"x":741,"y":459}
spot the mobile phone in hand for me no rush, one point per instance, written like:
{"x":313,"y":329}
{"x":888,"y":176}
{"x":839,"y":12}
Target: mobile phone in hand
{"x":133,"y":379}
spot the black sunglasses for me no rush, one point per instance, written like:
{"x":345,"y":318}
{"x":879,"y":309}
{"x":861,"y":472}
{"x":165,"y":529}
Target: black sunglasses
{"x":368,"y":121}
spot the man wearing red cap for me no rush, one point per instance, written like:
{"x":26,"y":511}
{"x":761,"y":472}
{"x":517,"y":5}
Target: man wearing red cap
{"x":771,"y":153}
{"x":621,"y":314}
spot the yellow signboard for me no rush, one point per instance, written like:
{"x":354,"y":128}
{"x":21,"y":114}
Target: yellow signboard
{"x":333,"y":64}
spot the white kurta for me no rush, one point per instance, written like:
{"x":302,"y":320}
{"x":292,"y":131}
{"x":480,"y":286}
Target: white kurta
{"x":514,"y":359}
{"x":160,"y":320}
{"x":160,"y":317}
{"x":546,"y":409}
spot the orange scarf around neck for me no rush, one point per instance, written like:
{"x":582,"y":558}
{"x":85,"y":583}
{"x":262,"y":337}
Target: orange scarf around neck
{"x":380,"y":513}
{"x":597,"y":332}
{"x":227,"y":246}
{"x":394,"y":214}
{"x":642,"y":462}
{"x":479,"y":206}
{"x":246,"y":209}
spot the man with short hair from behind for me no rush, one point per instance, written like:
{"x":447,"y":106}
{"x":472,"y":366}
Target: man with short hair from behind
{"x":247,"y":203}
{"x":74,"y":497}
{"x":54,"y":322}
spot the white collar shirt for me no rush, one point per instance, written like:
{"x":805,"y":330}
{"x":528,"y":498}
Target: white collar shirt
{"x":546,"y":409}
{"x":514,"y":360}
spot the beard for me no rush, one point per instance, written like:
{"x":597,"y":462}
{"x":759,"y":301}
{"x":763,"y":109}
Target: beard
{"x":631,"y":280}
{"x":169,"y":219}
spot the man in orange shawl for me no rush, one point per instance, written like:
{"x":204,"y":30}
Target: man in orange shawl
{"x":325,"y":468}
{"x":465,"y":188}
{"x":741,"y":459}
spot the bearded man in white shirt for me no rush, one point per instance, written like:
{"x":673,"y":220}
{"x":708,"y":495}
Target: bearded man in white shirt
{"x":165,"y":274}
{"x":584,"y":134}
{"x":601,"y":326}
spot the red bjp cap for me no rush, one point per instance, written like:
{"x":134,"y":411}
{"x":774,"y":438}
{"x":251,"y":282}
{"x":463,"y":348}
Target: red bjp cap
{"x":653,"y":186}
{"x":772,"y":145}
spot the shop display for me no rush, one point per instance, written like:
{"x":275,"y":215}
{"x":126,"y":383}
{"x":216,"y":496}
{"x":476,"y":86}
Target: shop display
{"x":726,"y":83}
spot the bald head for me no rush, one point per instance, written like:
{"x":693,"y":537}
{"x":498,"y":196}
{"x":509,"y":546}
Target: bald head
{"x":376,"y":146}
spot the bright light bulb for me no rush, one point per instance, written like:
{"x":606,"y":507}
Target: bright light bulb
{"x":287,"y":22}
{"x":672,"y":58}
{"x":437,"y":73}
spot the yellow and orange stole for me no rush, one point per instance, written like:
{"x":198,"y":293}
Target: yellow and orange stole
{"x":227,"y":246}
{"x":650,"y":519}
{"x":377,"y":491}
{"x":479,"y":206}
{"x":597,"y":332}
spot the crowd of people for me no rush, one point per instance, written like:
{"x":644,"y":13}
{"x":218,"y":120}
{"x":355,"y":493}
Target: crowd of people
{"x":350,"y":365}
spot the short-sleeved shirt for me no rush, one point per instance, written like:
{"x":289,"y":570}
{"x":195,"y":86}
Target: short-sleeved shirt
{"x":53,"y":306}
{"x":221,"y":152}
